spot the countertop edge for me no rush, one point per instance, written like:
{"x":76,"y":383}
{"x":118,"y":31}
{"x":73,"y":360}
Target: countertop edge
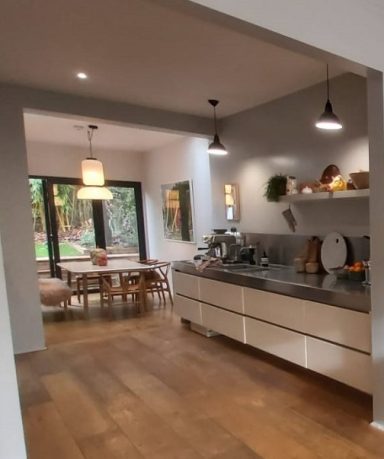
{"x":345,"y":300}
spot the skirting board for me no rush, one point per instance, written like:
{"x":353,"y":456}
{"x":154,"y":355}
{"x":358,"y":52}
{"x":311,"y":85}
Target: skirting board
{"x":378,"y":425}
{"x":203,"y":331}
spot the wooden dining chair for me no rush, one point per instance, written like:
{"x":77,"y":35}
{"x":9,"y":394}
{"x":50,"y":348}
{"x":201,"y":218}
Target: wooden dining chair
{"x":156,"y":281}
{"x":125,"y":288}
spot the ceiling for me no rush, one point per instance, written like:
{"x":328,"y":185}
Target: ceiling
{"x":73,"y":133}
{"x":147,"y":53}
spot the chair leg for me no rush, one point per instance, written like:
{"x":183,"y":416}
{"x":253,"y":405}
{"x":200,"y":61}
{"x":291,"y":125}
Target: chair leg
{"x":167,"y":289}
{"x":110,"y":306}
{"x":78,"y":286}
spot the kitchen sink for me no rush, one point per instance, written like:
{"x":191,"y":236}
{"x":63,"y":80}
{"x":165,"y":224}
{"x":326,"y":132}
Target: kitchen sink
{"x":236,"y":266}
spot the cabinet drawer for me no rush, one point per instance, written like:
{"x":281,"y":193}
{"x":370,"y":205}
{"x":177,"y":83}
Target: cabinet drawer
{"x":227,"y":296}
{"x":187,"y":309}
{"x":185,"y":284}
{"x":227,"y":323}
{"x":278,"y":341}
{"x":278,"y":309}
{"x":342,"y":326}
{"x":345,"y":365}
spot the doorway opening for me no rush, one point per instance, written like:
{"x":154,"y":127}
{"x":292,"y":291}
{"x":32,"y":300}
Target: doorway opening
{"x":66,"y":228}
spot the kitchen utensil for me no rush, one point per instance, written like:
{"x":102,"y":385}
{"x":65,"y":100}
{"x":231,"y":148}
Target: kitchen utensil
{"x":360,"y":180}
{"x":333,"y":252}
{"x":311,"y":267}
{"x":313,"y":253}
{"x":299,"y":264}
{"x":290,"y":219}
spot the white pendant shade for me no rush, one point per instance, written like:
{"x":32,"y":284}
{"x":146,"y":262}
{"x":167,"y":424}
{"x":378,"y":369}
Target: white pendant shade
{"x":92,"y":172}
{"x":94,"y":192}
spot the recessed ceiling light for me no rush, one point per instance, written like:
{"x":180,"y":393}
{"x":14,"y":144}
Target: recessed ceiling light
{"x":82,"y":76}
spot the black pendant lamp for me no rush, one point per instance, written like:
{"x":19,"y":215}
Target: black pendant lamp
{"x":216,"y":147}
{"x":328,"y":120}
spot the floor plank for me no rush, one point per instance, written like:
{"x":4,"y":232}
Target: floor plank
{"x":146,"y":387}
{"x":47,"y":435}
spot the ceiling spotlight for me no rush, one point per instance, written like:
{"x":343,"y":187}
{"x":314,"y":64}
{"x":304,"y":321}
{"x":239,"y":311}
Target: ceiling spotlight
{"x":328,"y":119}
{"x":82,"y":76}
{"x":216,"y":147}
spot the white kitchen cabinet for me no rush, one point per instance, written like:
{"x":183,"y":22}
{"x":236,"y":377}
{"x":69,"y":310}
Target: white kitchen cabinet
{"x":186,"y":284}
{"x":278,"y":341}
{"x":345,"y":365}
{"x":341,"y":326}
{"x":279,"y":309}
{"x":221,"y":321}
{"x":221,"y":294}
{"x":187,"y":309}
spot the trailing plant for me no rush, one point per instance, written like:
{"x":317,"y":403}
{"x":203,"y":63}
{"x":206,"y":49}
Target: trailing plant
{"x":275,"y":187}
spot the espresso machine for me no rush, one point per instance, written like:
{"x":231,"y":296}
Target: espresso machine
{"x":219,"y":244}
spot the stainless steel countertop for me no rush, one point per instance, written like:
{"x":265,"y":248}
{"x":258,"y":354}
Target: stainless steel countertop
{"x":323,"y":288}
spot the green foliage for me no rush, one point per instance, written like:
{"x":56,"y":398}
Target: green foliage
{"x":73,"y":214}
{"x":275,"y":187}
{"x":87,"y":239}
{"x":120,"y":215}
{"x":37,"y":203}
{"x":66,"y":250}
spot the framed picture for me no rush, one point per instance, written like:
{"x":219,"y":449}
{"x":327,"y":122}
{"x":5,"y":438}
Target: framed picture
{"x":178,"y":211}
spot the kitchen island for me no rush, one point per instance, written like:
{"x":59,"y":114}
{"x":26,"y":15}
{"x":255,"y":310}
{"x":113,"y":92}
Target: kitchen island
{"x":311,"y":320}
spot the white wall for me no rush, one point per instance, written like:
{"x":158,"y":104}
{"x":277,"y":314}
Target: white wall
{"x":16,"y":233}
{"x":184,"y":159}
{"x":65,"y":161}
{"x":280,"y":137}
{"x":11,"y":429}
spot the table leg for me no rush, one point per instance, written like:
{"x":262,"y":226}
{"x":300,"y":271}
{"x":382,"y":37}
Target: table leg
{"x":85,"y":292}
{"x":69,"y":281}
{"x":143,"y":292}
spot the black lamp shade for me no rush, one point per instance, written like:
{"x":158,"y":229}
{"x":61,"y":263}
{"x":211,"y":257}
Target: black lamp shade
{"x":216,"y":147}
{"x":328,"y":120}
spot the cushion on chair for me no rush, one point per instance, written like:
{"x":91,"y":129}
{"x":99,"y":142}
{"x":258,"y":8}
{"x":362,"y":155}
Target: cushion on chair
{"x":53,"y":291}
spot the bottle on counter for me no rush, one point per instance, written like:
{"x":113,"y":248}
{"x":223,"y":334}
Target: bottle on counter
{"x":264,"y":261}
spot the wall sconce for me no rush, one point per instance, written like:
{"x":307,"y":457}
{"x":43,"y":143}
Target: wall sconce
{"x":232,"y":202}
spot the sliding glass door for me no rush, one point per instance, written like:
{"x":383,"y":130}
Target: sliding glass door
{"x":66,"y":228}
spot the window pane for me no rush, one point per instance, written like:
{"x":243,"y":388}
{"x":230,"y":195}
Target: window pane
{"x":39,"y":227}
{"x":120,"y":222}
{"x":74,"y":217}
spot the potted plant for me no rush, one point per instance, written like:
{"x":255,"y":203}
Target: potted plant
{"x":275,"y":187}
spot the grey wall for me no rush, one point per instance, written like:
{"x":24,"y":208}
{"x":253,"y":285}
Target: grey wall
{"x":280,"y":137}
{"x":182,"y":160}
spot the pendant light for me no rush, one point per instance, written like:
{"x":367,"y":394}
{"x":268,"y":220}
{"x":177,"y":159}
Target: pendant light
{"x":216,"y":147}
{"x":328,"y":120}
{"x":92,"y":172}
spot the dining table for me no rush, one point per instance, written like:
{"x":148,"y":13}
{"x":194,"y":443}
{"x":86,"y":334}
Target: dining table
{"x":85,"y":268}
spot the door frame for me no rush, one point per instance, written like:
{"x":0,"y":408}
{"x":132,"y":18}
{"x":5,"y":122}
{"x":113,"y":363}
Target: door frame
{"x":97,"y":208}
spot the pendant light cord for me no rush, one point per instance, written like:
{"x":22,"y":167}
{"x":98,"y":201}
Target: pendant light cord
{"x":327,"y":83}
{"x":214,"y":119}
{"x":91,"y":130}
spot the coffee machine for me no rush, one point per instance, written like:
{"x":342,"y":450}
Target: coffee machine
{"x":219,"y":244}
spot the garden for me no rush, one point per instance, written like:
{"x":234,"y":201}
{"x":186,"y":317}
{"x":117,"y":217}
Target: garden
{"x":74,"y":219}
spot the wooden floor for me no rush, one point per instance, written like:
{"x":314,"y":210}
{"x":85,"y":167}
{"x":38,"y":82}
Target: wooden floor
{"x":146,"y":387}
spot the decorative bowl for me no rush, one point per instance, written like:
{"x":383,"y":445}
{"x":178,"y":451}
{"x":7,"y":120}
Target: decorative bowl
{"x":360,"y":180}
